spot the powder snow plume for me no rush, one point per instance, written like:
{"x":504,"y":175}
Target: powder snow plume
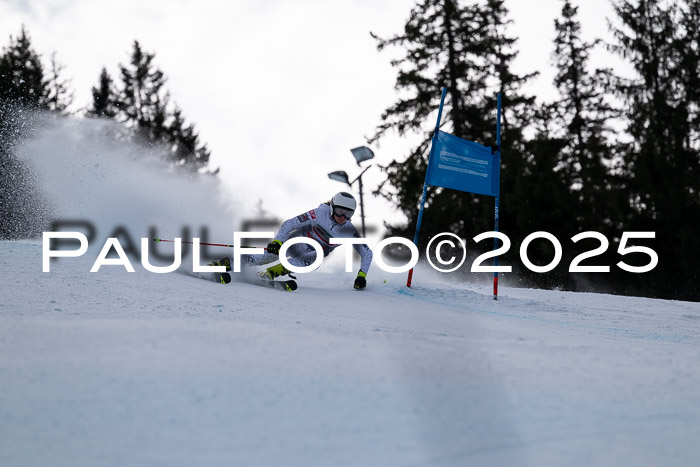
{"x":94,"y":177}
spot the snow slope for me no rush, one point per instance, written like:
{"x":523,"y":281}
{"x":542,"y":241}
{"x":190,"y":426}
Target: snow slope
{"x":140,"y":369}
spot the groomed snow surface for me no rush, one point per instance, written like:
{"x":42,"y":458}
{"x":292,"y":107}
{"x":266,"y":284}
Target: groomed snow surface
{"x":141,"y":369}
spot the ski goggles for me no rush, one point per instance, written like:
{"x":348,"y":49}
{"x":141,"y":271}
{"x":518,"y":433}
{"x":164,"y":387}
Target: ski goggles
{"x":343,"y":212}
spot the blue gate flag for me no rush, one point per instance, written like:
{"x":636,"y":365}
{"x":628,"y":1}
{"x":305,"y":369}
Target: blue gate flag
{"x":464,"y":165}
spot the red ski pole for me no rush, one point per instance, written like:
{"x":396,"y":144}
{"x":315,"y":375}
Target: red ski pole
{"x":201,"y":243}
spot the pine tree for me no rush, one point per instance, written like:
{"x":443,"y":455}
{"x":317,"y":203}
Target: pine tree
{"x":662,"y":161}
{"x":58,"y":94}
{"x":520,"y":213}
{"x":144,"y":105}
{"x":464,"y":49}
{"x":688,"y":51}
{"x":143,"y":100}
{"x":593,"y":200}
{"x":658,"y":107}
{"x":540,"y":200}
{"x":104,"y":98}
{"x":21,"y":73}
{"x":582,"y":111}
{"x":24,"y":80}
{"x":186,"y":149}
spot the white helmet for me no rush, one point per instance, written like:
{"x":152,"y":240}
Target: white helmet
{"x":343,"y":204}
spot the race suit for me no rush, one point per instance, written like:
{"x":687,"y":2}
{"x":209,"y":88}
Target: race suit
{"x":317,"y":224}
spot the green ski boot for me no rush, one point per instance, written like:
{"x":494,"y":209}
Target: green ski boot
{"x":222,"y":262}
{"x":274,"y":272}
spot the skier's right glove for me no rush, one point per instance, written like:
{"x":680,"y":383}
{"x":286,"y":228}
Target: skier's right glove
{"x":274,"y":247}
{"x":360,"y":280}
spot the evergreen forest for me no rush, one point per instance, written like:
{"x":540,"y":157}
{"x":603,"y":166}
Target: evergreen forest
{"x":611,"y":154}
{"x":137,"y":99}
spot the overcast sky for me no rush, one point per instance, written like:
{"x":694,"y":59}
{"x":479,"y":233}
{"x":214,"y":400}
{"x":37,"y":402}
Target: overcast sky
{"x":280,"y":90}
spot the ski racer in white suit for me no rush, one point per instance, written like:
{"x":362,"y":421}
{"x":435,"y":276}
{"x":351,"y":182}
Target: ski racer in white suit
{"x":328,"y":220}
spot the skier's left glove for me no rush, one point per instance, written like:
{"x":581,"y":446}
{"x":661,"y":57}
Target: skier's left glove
{"x":361,"y":280}
{"x":274,"y":247}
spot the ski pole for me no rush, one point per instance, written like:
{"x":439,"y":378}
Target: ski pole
{"x":202,"y":243}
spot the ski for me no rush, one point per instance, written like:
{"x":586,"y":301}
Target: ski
{"x":288,"y":285}
{"x":225,"y":278}
{"x":221,"y":277}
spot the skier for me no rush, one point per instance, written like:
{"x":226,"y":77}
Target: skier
{"x":329,"y":220}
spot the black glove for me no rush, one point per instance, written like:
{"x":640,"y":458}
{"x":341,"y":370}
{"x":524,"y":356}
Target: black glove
{"x":274,"y":247}
{"x":360,"y":280}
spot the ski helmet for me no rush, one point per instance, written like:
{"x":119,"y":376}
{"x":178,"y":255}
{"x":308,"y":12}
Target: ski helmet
{"x":344,"y":203}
